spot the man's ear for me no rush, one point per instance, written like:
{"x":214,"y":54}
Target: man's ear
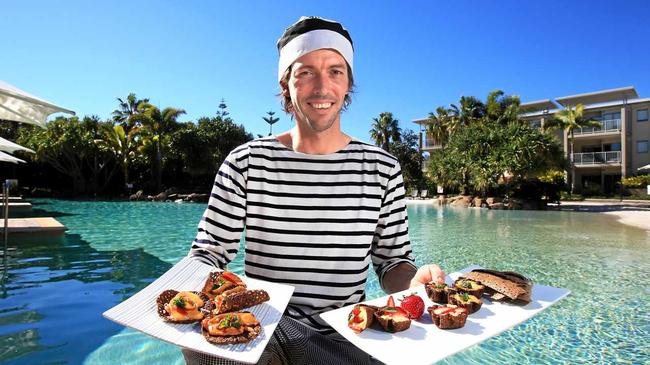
{"x":284,"y":88}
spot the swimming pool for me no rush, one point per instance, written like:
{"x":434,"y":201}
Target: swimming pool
{"x":55,"y":292}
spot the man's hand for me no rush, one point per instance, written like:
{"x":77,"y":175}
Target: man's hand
{"x":428,"y":273}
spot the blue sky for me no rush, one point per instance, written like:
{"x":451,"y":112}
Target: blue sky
{"x":410,"y":57}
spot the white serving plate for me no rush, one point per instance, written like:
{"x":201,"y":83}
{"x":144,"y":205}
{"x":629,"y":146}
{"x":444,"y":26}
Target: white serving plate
{"x":140,"y":312}
{"x":424,"y":343}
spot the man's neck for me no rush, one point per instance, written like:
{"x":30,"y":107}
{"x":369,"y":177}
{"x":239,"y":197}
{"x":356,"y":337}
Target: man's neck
{"x":321,"y":143}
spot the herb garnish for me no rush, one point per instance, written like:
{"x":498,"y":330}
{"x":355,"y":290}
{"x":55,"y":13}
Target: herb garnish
{"x":179,"y":302}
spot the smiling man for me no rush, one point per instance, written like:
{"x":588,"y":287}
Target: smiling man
{"x":319,"y":208}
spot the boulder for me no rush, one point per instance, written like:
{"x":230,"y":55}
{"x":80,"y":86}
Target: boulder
{"x":491,"y":200}
{"x":460,"y":203}
{"x":161,"y":197}
{"x":497,"y":206}
{"x":139,"y":195}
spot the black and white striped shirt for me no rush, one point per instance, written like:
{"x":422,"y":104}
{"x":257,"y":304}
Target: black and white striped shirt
{"x":315,"y":222}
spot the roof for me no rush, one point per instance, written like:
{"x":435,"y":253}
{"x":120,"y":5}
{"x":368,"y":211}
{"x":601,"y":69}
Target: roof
{"x":540,"y":105}
{"x":623,"y":93}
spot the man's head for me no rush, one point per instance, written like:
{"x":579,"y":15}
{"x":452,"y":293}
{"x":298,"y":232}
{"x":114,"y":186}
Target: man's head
{"x":315,"y":68}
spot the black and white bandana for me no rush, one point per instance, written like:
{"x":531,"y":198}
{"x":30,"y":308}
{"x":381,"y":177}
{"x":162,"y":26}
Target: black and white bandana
{"x":309,"y":34}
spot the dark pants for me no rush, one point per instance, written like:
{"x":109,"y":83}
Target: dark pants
{"x":295,"y":343}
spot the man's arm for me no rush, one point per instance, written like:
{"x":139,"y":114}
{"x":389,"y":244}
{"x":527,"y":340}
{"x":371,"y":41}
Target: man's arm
{"x":220,"y":228}
{"x":404,"y":276}
{"x":398,"y":278}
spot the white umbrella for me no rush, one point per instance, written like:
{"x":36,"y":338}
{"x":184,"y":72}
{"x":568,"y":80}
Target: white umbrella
{"x":646,"y":167}
{"x":7,"y":145}
{"x":9,"y":158}
{"x":19,"y":106}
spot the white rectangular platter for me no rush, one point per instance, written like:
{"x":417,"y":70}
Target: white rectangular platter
{"x":140,"y":312}
{"x":424,"y":343}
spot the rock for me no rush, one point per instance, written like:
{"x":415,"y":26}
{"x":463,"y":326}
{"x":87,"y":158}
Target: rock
{"x":139,"y":195}
{"x":491,"y":200}
{"x":497,"y":206}
{"x":161,"y":197}
{"x":196,"y":198}
{"x":460,"y":203}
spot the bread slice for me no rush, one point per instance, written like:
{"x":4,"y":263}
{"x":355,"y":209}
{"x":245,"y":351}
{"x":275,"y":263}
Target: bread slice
{"x":513,"y":286}
{"x":233,"y":302}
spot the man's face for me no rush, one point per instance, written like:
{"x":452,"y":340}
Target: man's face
{"x":318,"y":83}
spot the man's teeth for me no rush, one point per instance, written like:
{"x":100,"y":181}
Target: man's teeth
{"x":322,"y":105}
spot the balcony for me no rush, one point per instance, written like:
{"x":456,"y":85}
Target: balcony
{"x":597,"y":158}
{"x":607,"y":126}
{"x":430,"y":144}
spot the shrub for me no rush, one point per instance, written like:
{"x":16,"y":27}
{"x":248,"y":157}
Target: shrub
{"x":636,"y":181}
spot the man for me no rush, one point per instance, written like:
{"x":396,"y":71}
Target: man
{"x":318,"y":206}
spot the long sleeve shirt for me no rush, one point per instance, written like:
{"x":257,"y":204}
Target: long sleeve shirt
{"x":316,"y":222}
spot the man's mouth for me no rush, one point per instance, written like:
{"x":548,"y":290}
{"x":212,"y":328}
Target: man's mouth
{"x":321,"y":105}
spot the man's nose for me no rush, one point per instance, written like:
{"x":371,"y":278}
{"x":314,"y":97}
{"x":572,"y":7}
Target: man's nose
{"x":321,"y":82}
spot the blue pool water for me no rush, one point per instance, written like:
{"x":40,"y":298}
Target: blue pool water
{"x":53,"y":292}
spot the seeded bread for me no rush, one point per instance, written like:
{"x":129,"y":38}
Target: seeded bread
{"x":515,"y":287}
{"x":234,"y":302}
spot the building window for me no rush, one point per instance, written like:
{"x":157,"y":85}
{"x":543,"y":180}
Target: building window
{"x":642,"y":115}
{"x":641,"y":146}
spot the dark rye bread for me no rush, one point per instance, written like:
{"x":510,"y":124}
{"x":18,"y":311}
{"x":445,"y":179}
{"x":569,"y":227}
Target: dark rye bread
{"x":510,"y":285}
{"x":247,"y":336}
{"x":237,"y":301}
{"x":166,"y":296}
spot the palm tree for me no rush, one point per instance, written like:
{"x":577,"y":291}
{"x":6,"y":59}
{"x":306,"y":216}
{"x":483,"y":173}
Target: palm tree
{"x":271,"y":120}
{"x":128,"y":108}
{"x":385,"y":130}
{"x":438,"y":126}
{"x":502,"y":108}
{"x":569,"y":120}
{"x":120,"y":144}
{"x":156,"y":125}
{"x":471,"y":109}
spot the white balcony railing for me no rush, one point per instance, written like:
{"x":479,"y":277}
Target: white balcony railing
{"x":429,"y":143}
{"x":607,"y":125}
{"x":597,"y":158}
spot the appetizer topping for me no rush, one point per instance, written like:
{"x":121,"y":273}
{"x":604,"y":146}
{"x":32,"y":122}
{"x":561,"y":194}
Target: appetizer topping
{"x":230,"y":324}
{"x":448,"y":316}
{"x":185,"y":306}
{"x":361,"y":317}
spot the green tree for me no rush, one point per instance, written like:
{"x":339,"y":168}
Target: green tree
{"x":128,"y":108}
{"x":67,"y":145}
{"x":438,"y":126}
{"x":271,"y":120}
{"x":156,"y":126}
{"x":385,"y":130}
{"x":122,"y":146}
{"x":407,"y":153}
{"x":199,"y":149}
{"x":569,"y":120}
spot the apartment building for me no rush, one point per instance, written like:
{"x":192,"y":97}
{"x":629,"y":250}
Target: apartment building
{"x":618,"y":148}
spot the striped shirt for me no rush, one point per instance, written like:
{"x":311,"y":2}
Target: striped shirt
{"x":315,"y":222}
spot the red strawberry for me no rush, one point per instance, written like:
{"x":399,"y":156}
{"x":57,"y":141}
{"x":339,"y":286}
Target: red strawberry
{"x":391,"y":302}
{"x":413,"y":305}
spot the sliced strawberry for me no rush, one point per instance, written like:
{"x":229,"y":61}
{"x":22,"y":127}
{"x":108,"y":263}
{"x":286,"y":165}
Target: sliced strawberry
{"x":231,"y":277}
{"x":391,"y":301}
